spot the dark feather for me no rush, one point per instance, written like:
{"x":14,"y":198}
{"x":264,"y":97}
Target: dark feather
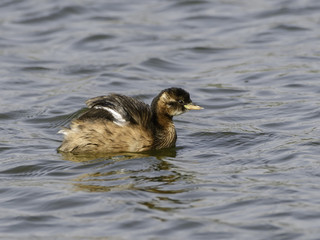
{"x":131,"y":109}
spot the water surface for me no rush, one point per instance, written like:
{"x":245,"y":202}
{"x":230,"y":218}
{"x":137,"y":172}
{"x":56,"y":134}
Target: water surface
{"x":245,"y":167}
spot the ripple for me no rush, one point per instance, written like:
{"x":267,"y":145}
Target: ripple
{"x":85,"y":69}
{"x":290,"y":28}
{"x":95,"y":42}
{"x":207,"y":50}
{"x":282,"y":11}
{"x":36,"y":69}
{"x":37,"y":170}
{"x":163,"y":65}
{"x":51,"y":15}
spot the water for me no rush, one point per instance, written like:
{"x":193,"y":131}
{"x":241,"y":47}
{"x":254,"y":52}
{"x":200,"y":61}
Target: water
{"x":245,"y":167}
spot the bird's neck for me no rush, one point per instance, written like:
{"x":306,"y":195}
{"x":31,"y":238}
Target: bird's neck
{"x":164,"y":130}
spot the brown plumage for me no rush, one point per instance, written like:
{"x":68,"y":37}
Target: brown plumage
{"x":117,"y":123}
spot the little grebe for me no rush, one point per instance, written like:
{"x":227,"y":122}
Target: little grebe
{"x":117,"y":123}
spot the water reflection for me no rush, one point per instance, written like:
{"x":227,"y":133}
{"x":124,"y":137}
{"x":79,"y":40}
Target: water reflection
{"x":145,"y":174}
{"x":148,"y":172}
{"x":159,"y":154}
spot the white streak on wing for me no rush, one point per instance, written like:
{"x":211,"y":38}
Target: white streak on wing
{"x":119,"y":120}
{"x":62,"y":131}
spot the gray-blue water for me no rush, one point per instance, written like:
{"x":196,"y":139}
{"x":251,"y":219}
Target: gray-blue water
{"x":245,"y":167}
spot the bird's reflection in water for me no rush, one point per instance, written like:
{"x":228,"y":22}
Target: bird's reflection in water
{"x":159,"y":154}
{"x":148,"y":171}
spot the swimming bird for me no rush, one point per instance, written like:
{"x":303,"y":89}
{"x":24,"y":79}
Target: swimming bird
{"x":118,"y":123}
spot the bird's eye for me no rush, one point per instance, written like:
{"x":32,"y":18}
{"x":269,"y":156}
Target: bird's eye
{"x":181,"y":101}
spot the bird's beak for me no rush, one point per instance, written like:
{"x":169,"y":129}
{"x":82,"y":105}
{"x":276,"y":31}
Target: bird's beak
{"x":190,"y":106}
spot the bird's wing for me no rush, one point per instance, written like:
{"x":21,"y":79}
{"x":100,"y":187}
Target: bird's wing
{"x":118,"y":108}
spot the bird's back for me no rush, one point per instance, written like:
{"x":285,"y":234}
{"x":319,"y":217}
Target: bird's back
{"x":113,"y":123}
{"x":121,"y":109}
